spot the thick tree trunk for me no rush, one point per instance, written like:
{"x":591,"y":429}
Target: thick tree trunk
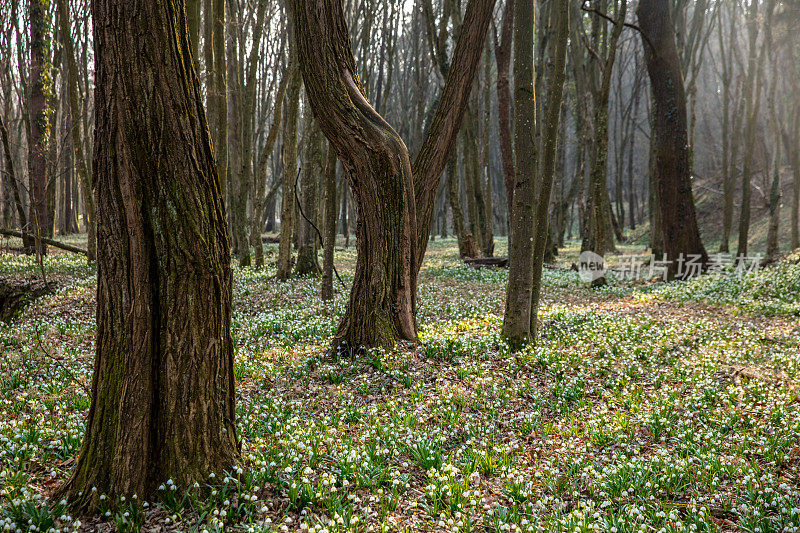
{"x":39,"y":124}
{"x":163,"y":387}
{"x":516,"y":321}
{"x":330,"y":224}
{"x":381,"y":307}
{"x":673,"y":173}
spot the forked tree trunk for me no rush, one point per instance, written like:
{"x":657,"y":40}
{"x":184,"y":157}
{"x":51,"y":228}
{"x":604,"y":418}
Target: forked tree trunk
{"x":672,"y":164}
{"x":381,"y":307}
{"x":163,"y":387}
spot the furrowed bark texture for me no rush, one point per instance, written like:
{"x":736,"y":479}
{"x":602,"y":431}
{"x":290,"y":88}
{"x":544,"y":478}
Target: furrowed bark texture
{"x":163,"y":387}
{"x":679,"y":228}
{"x":381,"y":307}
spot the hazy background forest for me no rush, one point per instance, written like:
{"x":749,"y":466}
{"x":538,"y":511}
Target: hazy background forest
{"x":400,"y":265}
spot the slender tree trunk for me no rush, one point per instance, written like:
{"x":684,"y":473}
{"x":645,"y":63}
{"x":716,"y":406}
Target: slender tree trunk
{"x":485,"y":170}
{"x":559,"y":22}
{"x":673,"y":173}
{"x":259,"y":199}
{"x":289,"y":162}
{"x":600,"y":237}
{"x":466,"y":247}
{"x":330,"y":224}
{"x":502,"y":52}
{"x":84,"y":176}
{"x":12,"y":178}
{"x":217,"y":95}
{"x":39,"y":124}
{"x":163,"y":388}
{"x":307,"y":261}
{"x":752,"y":96}
{"x":517,"y":318}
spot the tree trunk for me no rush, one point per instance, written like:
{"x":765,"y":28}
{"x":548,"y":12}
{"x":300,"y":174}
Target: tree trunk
{"x":163,"y":387}
{"x":259,"y":198}
{"x":673,"y":174}
{"x":289,"y":161}
{"x":84,"y":176}
{"x":454,"y":199}
{"x":502,"y":53}
{"x":442,"y":133}
{"x":12,"y":179}
{"x":559,"y":21}
{"x":381,"y":307}
{"x":516,"y":321}
{"x":600,"y":237}
{"x":330,"y":224}
{"x":307,"y":261}
{"x":38,"y":121}
{"x":752,"y":96}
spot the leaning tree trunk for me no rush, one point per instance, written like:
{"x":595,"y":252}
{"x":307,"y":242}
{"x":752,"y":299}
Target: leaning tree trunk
{"x":381,"y":307}
{"x":673,"y":173}
{"x":163,"y":388}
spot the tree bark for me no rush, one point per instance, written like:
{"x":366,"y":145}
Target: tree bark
{"x":516,"y":321}
{"x":289,"y":160}
{"x":681,"y":235}
{"x":84,"y":176}
{"x":381,"y":307}
{"x":330,"y":224}
{"x":39,"y":124}
{"x":502,"y":54}
{"x":307,"y":261}
{"x":559,"y":22}
{"x":163,"y":387}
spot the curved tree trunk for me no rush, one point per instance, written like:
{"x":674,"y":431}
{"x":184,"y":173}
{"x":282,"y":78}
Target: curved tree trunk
{"x":681,"y":235}
{"x":381,"y":307}
{"x":163,"y":388}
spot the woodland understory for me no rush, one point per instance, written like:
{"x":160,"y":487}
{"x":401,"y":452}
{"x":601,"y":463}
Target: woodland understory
{"x":646,"y":406}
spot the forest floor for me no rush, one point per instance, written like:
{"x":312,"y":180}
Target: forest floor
{"x":644,"y":407}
